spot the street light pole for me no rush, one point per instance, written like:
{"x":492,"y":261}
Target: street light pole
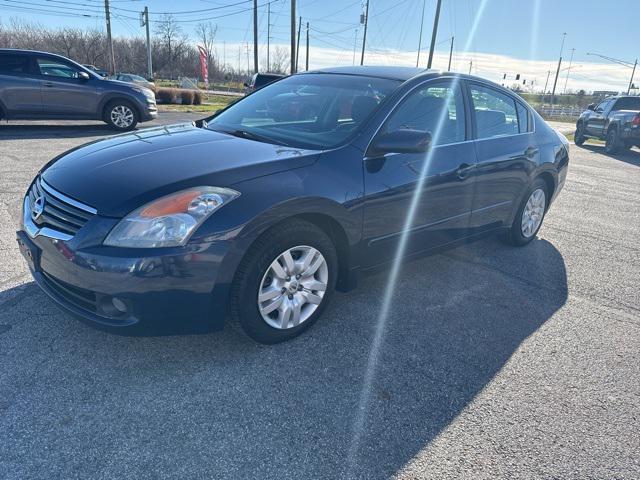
{"x":566,"y":80}
{"x":555,"y":82}
{"x":632,"y":74}
{"x":620,"y":62}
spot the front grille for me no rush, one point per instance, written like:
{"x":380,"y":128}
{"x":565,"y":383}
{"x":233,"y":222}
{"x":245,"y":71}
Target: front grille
{"x":80,"y":297}
{"x":60,"y":213}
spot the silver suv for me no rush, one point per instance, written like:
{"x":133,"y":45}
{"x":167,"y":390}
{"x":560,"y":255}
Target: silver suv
{"x":40,"y":85}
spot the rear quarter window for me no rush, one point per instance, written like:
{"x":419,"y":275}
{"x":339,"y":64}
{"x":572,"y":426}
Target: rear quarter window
{"x":13,"y":64}
{"x":627,"y":103}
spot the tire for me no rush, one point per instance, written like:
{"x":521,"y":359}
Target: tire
{"x":516,"y":235}
{"x":255,"y":275}
{"x":578,"y":137}
{"x":612,"y":144}
{"x":121,"y":115}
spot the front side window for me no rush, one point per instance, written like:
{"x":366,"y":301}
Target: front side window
{"x":494,"y":111}
{"x":54,"y":68}
{"x":13,"y":64}
{"x":316,"y":111}
{"x":437,"y":108}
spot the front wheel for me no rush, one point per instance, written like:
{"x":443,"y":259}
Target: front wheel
{"x":284,"y":282}
{"x":121,"y":115}
{"x":578,"y":137}
{"x":530,"y":215}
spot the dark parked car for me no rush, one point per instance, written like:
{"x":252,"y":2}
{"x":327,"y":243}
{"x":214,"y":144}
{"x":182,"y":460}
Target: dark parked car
{"x":137,"y":79}
{"x":260,"y":80}
{"x":38,"y":85}
{"x":615,"y":120}
{"x":100,"y":71}
{"x":257,"y":219}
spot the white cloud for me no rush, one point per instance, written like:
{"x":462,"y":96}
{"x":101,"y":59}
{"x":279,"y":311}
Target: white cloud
{"x":583,"y":75}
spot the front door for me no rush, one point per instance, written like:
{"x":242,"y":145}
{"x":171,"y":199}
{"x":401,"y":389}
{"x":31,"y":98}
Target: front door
{"x":432,"y":211}
{"x":63,"y":92}
{"x":597,"y":118}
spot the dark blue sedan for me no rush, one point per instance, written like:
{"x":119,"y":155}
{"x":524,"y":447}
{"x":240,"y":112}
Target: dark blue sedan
{"x":258,"y":213}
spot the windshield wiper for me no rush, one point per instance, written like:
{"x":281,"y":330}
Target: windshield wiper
{"x":251,"y":136}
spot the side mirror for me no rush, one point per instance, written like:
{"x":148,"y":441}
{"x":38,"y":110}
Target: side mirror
{"x":83,"y":76}
{"x":591,"y":106}
{"x":401,"y":141}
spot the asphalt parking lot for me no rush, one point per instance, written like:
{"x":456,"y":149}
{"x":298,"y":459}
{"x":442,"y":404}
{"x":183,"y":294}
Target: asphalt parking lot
{"x":497,"y":362}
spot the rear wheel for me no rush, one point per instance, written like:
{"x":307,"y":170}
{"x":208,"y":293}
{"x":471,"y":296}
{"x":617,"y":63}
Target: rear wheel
{"x":284,"y":282}
{"x":579,"y":137}
{"x":121,"y":115}
{"x":530,"y":215}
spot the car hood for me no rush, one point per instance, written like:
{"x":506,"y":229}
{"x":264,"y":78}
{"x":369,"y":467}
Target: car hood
{"x":119,"y":174}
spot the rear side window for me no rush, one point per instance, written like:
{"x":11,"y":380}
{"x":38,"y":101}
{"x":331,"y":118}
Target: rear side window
{"x":524,"y":120}
{"x":627,"y":103}
{"x":495,"y":112}
{"x":11,"y":63}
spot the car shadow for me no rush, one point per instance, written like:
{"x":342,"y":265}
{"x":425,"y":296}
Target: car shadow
{"x":221,"y":406}
{"x":631,"y":156}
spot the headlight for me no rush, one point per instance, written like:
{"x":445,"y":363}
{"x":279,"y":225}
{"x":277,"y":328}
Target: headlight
{"x":169,"y":221}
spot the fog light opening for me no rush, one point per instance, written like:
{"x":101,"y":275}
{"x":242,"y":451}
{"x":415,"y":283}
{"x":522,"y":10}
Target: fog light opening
{"x":119,"y":305}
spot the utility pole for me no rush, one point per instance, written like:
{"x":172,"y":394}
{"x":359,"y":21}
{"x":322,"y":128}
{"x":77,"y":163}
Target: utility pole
{"x":112,"y":58}
{"x":632,"y":74}
{"x":364,"y":38}
{"x":450,"y":54}
{"x":268,"y":34}
{"x":434,"y":34}
{"x":424,"y":2}
{"x":246,"y":46}
{"x":470,"y":66}
{"x":144,"y":21}
{"x":566,"y":80}
{"x":298,"y":44}
{"x":255,"y":37}
{"x":293,"y":37}
{"x":555,"y":82}
{"x":307,"y":62}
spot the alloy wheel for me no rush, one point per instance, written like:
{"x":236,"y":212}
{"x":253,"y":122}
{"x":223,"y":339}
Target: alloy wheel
{"x":293,"y":287}
{"x":533,"y":213}
{"x":122,"y":116}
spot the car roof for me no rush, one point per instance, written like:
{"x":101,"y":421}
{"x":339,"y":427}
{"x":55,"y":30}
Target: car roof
{"x":392,"y":73}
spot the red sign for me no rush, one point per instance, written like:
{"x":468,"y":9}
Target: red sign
{"x":204,"y":68}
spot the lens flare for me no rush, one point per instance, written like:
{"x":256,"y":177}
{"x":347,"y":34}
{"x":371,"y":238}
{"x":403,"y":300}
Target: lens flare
{"x":381,"y":322}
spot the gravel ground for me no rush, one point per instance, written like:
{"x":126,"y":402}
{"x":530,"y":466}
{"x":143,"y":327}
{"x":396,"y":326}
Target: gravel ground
{"x":496,"y":362}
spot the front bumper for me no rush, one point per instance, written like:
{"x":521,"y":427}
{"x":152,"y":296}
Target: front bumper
{"x":170,"y":292}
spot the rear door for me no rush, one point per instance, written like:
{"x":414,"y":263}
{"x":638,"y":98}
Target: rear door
{"x":506,"y":150}
{"x":597,"y":119}
{"x":19,"y":88}
{"x":438,"y":208}
{"x":63,"y":92}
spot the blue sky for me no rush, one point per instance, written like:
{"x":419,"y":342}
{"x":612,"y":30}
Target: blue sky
{"x":520,"y":30}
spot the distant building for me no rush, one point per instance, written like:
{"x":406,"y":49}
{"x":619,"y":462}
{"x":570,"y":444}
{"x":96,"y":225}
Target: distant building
{"x":604,"y":93}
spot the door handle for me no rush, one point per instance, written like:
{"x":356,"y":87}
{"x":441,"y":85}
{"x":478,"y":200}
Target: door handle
{"x":530,"y":152}
{"x":47,"y":84}
{"x":464,"y":170}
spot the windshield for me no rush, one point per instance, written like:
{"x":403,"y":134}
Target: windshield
{"x":317,"y":111}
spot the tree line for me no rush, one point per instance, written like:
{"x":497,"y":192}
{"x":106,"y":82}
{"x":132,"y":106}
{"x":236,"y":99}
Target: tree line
{"x":173,"y":52}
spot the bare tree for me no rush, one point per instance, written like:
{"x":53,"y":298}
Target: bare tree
{"x":173,"y":42}
{"x":279,"y":60}
{"x":206,"y":33}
